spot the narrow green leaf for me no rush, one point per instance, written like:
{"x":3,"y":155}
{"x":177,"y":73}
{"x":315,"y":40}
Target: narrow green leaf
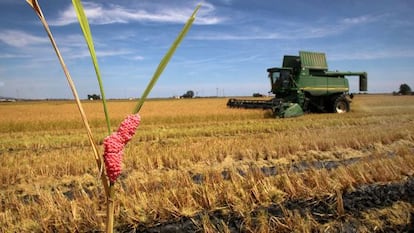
{"x":83,"y":21}
{"x":166,"y":59}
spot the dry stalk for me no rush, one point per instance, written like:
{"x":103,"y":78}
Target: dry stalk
{"x":208,"y":226}
{"x":339,"y":203}
{"x":288,"y":186}
{"x":110,"y":209}
{"x":36,"y":7}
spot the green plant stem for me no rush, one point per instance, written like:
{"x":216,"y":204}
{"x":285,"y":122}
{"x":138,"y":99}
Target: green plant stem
{"x":83,"y":21}
{"x":36,"y":7}
{"x":165,"y":60}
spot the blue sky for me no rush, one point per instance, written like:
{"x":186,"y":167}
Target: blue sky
{"x":226,"y":51}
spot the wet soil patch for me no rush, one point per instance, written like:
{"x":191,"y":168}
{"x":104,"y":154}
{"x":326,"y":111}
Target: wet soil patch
{"x":322,"y":210}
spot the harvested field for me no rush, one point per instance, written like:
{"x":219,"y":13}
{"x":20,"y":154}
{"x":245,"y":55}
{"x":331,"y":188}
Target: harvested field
{"x":196,"y":166}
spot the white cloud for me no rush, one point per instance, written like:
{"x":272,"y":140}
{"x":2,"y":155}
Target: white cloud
{"x":76,"y":41}
{"x":206,"y":15}
{"x":227,"y":2}
{"x":109,"y":14}
{"x":9,"y":55}
{"x":291,"y":30}
{"x":300,"y":33}
{"x":74,"y":46}
{"x":74,"y":54}
{"x":362,"y":19}
{"x":137,"y":58}
{"x":356,"y":20}
{"x":21,"y":39}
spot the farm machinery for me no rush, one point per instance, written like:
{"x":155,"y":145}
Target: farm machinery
{"x":304,"y":84}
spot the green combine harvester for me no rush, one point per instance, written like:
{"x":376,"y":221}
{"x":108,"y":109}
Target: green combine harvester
{"x":304,"y":84}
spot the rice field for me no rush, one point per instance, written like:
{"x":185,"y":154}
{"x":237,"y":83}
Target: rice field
{"x":196,"y":166}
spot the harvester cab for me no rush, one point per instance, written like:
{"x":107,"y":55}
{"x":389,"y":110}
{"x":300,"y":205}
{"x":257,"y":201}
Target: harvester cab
{"x":281,"y":80}
{"x":304,"y":84}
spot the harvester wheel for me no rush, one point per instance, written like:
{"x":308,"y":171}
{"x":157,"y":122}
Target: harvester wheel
{"x":341,"y":105}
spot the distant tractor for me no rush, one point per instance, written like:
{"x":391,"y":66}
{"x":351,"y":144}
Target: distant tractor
{"x":304,"y":84}
{"x":188,"y":94}
{"x":94,"y":97}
